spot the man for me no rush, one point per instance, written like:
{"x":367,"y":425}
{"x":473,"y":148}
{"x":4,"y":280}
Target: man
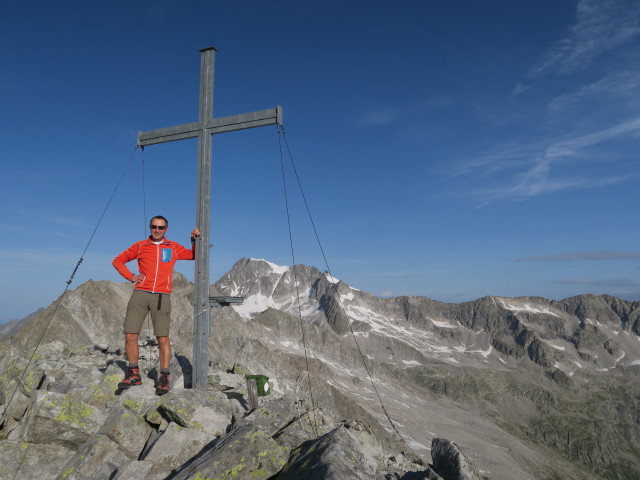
{"x":156,"y":257}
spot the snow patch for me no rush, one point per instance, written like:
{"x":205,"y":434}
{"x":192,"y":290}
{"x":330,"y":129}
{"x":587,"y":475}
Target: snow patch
{"x":275,"y":268}
{"x":348,"y":297}
{"x":253,"y":305}
{"x":484,"y":353}
{"x":527,"y":308}
{"x":443,"y":324}
{"x":331,"y":278}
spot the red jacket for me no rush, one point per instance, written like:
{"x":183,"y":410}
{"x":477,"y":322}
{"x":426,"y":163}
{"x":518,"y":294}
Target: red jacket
{"x":155,"y":262}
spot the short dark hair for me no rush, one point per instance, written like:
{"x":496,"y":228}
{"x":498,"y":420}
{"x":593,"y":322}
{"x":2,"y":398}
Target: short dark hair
{"x":160,"y":217}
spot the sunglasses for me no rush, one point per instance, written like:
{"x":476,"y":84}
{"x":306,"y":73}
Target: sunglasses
{"x":157,"y":227}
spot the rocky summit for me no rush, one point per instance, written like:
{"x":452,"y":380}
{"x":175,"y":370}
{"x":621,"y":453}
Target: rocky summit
{"x":359,"y":387}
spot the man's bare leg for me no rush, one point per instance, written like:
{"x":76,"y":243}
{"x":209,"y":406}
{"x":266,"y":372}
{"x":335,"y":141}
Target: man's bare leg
{"x":131,"y":347}
{"x":164,"y":345}
{"x":132,"y":377}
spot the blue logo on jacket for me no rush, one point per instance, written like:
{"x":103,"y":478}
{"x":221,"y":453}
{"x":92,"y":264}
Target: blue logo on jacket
{"x":166,"y":254}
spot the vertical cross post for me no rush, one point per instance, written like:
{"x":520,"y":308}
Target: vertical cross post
{"x":204,"y":129}
{"x":202,"y":310}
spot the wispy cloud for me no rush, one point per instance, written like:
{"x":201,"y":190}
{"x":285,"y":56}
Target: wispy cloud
{"x":534,"y":171}
{"x":71,"y":222}
{"x":379,"y":117}
{"x":600,"y":26}
{"x":571,"y":146}
{"x":537,"y":180}
{"x":583,"y":256}
{"x":615,"y":86}
{"x":520,"y":88}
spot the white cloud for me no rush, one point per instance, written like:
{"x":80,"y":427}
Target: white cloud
{"x":536,"y":175}
{"x":624,"y":85}
{"x":571,"y":146}
{"x":600,"y":26}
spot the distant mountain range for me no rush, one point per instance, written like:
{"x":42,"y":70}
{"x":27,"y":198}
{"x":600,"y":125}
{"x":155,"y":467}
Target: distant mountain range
{"x":527,"y":387}
{"x":14,"y":325}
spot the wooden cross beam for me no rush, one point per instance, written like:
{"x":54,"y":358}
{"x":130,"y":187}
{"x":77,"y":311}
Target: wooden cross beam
{"x":204,"y":128}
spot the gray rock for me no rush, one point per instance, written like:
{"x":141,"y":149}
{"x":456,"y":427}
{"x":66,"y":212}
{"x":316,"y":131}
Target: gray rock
{"x":19,"y":381}
{"x":243,"y":453}
{"x":450,"y":463}
{"x":221,"y":381}
{"x":99,"y":453}
{"x":208,"y":412}
{"x":61,"y":420}
{"x":25,"y":461}
{"x":428,"y":474}
{"x":333,"y":456}
{"x":139,"y":399}
{"x":127,"y":429}
{"x":256,"y":448}
{"x":134,"y":470}
{"x":14,"y":413}
{"x":102,"y":393}
{"x":174,"y":448}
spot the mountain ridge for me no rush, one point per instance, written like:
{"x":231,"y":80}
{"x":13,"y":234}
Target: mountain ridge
{"x":529,"y":387}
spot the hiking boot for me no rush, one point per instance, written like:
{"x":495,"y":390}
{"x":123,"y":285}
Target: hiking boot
{"x":131,"y":378}
{"x":162,"y":387}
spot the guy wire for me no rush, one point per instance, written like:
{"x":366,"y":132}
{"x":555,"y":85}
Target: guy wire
{"x":61,"y":297}
{"x":293,"y":260}
{"x":335,"y":287}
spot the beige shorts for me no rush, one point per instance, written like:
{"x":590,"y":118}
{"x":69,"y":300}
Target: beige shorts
{"x":141,"y":303}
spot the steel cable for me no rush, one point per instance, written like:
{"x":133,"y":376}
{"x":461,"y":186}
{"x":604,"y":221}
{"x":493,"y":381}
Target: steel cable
{"x":335,"y":287}
{"x":295,"y":275}
{"x":61,"y":297}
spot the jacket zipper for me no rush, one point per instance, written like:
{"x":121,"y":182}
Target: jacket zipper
{"x":155,"y":280}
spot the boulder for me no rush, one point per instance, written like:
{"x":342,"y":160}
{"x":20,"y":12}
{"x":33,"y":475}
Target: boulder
{"x":174,"y":447}
{"x":257,"y":447}
{"x":59,"y":419}
{"x":207,"y":412}
{"x":134,"y":469}
{"x":19,"y":381}
{"x":99,"y":453}
{"x":127,"y":429}
{"x":25,"y":461}
{"x":333,"y":456}
{"x":450,"y":463}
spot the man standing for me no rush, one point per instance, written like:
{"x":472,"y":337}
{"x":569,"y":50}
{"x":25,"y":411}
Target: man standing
{"x":156,"y":257}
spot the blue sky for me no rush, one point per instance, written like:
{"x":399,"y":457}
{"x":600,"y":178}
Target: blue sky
{"x":447,"y":149}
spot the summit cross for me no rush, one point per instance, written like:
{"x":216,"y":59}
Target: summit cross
{"x":204,"y":128}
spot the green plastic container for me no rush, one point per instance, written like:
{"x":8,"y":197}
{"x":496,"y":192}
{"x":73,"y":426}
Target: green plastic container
{"x":262,"y":382}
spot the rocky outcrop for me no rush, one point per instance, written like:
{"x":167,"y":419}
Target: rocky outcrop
{"x":450,"y":463}
{"x":82,"y":427}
